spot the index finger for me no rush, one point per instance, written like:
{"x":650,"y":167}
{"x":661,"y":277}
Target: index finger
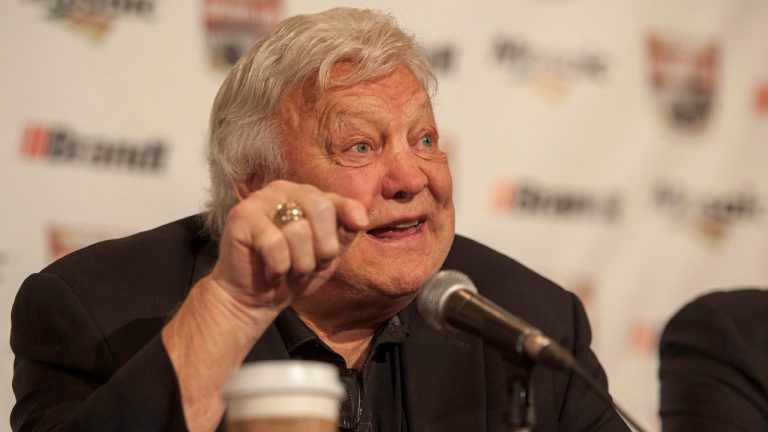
{"x":334,"y":220}
{"x":351,"y":213}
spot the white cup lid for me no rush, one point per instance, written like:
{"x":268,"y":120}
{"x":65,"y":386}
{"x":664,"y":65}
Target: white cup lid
{"x":284,"y":377}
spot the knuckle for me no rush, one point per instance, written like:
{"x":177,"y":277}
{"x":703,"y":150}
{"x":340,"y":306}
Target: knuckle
{"x":279,"y":184}
{"x":279,"y":260}
{"x":325,"y":208}
{"x":282,"y":264}
{"x":237,"y":212}
{"x":270,"y":240}
{"x":327,"y":250}
{"x":298,"y":229}
{"x":309,"y":189}
{"x":305,"y":265}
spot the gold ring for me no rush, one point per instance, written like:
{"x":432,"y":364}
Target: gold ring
{"x":288,"y":212}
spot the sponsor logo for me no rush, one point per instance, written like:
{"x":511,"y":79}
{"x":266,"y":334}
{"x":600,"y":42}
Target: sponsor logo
{"x":683,"y":77}
{"x":234,"y":25}
{"x":442,"y":58}
{"x":94,"y":18}
{"x":66,"y":238}
{"x":644,"y":337}
{"x":761,"y":99}
{"x":582,"y":284}
{"x":711,"y":214}
{"x":535,"y":200}
{"x":552,"y":71}
{"x":59,"y":144}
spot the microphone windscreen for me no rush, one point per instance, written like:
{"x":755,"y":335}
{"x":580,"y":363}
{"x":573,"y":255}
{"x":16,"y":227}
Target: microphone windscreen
{"x":432,"y":296}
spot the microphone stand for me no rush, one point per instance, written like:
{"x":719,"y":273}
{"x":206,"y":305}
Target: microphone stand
{"x":520,"y":411}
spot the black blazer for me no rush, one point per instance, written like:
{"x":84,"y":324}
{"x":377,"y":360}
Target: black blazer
{"x":714,"y":364}
{"x":85,"y":332}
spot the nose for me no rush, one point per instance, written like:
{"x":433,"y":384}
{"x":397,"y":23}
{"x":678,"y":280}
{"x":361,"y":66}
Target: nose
{"x":404,"y":176}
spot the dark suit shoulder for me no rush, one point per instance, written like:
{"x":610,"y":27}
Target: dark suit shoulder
{"x":182,"y":235}
{"x":163,"y":252}
{"x":741,"y":304}
{"x":513,"y":286}
{"x":143,"y":276}
{"x":85,"y":332}
{"x":721,"y":318}
{"x":716,"y":346}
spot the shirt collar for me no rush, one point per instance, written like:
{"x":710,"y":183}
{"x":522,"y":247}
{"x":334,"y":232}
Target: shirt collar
{"x":296,"y":334}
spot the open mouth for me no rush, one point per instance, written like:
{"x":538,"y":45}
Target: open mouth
{"x":398,"y":230}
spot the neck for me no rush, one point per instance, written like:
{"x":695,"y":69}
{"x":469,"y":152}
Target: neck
{"x":352,"y":344}
{"x":347,"y":323}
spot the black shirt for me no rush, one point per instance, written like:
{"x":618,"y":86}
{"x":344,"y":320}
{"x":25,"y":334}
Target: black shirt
{"x":373,"y":401}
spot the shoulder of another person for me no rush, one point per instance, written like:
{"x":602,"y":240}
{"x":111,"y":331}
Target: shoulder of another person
{"x":739,"y":313}
{"x":734,"y":301}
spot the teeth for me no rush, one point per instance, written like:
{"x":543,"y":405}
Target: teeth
{"x":406,"y":224}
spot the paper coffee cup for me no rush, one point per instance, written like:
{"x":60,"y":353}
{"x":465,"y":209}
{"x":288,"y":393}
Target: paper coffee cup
{"x":286,"y":395}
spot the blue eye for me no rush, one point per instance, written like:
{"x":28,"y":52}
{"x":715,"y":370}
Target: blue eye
{"x":427,"y":141}
{"x":361,"y":148}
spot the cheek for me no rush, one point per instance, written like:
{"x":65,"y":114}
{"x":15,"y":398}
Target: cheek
{"x":360,"y":184}
{"x":440,"y":182}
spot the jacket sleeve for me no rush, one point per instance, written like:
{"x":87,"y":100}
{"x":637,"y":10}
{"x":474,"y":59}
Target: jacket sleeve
{"x":66,"y":377}
{"x":713,"y":361}
{"x":583,"y":409}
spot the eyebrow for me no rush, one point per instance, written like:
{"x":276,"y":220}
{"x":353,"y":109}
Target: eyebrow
{"x":348,"y":116}
{"x":332,"y":124}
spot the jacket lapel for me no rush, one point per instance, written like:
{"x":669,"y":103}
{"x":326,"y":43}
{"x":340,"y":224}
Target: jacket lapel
{"x":444,"y":379}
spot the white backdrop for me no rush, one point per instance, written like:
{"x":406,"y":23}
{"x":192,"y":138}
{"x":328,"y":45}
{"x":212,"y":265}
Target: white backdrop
{"x":616,"y":146}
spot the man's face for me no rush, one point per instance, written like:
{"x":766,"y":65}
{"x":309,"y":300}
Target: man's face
{"x":377,"y":142}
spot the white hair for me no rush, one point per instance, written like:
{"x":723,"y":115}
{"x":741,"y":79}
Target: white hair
{"x":244,"y":146}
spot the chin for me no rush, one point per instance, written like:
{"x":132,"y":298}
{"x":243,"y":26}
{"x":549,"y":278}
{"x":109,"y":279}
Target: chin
{"x":392,"y":281}
{"x":369,"y":269}
{"x":398,"y":287}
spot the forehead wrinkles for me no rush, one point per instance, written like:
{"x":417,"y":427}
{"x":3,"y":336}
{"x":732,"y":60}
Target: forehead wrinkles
{"x":380,"y":102}
{"x":398,"y":94}
{"x":343,"y":122}
{"x":337,"y":117}
{"x":340,"y":114}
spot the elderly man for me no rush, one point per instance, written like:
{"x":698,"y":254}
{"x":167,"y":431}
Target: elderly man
{"x":331,"y":205}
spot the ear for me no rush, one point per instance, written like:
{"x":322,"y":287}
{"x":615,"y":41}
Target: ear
{"x":242,"y":190}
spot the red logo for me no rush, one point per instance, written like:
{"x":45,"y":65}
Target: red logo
{"x":63,"y":145}
{"x":684,"y":79}
{"x":761,"y":99}
{"x":644,"y":337}
{"x":234,"y":25}
{"x":34,"y":143}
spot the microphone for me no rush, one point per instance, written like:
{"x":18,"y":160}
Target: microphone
{"x":449,"y":301}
